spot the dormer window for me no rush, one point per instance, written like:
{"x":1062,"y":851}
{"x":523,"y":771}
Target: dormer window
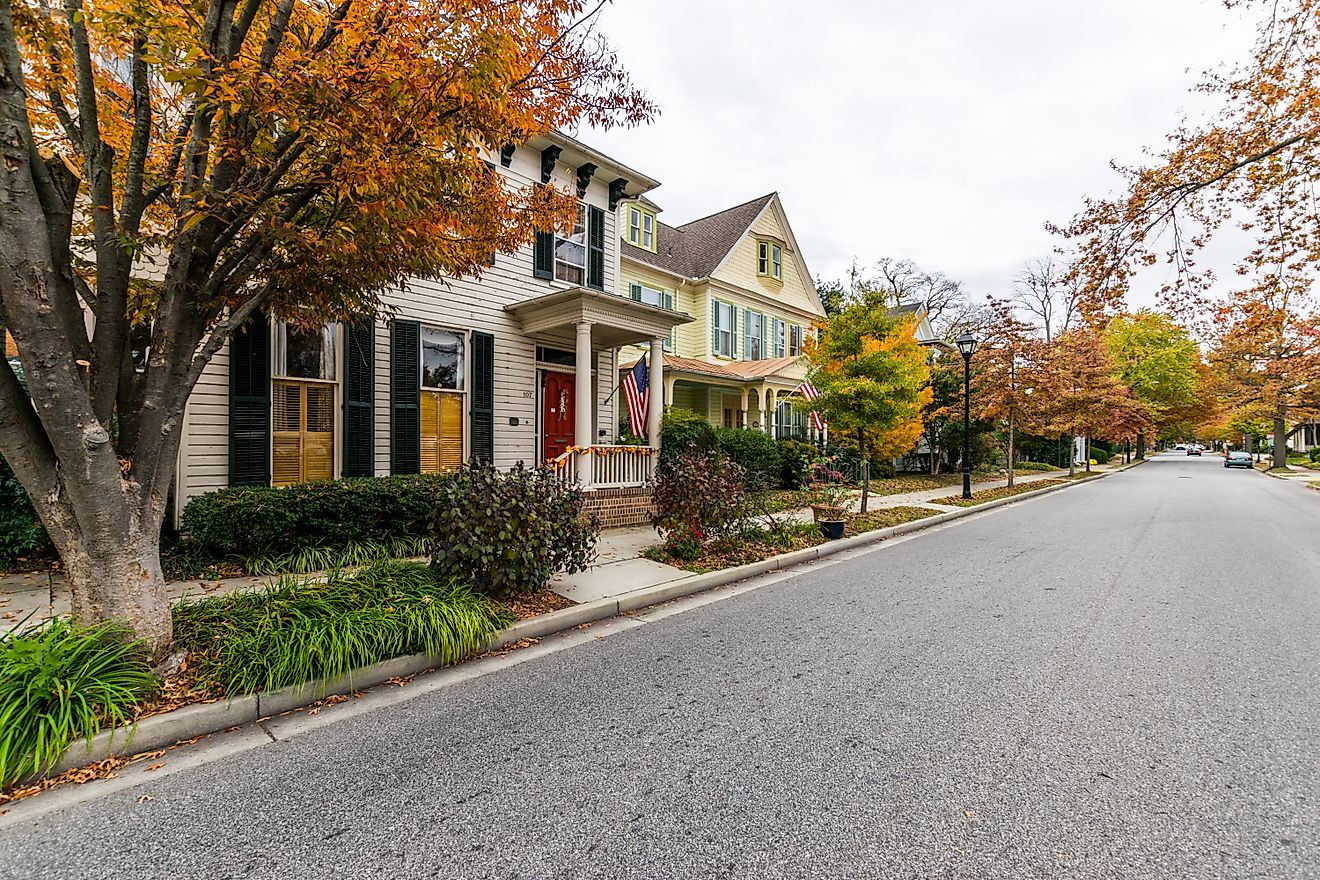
{"x":641,"y":228}
{"x":769,"y":259}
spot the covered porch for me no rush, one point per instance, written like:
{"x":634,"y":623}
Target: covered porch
{"x":596,"y":322}
{"x":758,"y":395}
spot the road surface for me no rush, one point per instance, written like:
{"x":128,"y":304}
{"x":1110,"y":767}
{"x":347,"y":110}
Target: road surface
{"x":1117,"y":680}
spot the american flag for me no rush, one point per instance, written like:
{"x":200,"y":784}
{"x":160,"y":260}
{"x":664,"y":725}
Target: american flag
{"x":635,"y":386}
{"x":809,"y":392}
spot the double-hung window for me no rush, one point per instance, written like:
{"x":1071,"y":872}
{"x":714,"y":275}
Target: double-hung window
{"x":654,"y":296}
{"x":571,"y":251}
{"x":722,"y":339}
{"x":769,"y":259}
{"x":304,"y":372}
{"x":794,"y":340}
{"x":641,"y":228}
{"x":754,"y":350}
{"x":780,"y":331}
{"x":443,"y":371}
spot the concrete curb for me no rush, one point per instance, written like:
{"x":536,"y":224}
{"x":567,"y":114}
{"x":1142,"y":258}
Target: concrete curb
{"x":200,"y":719}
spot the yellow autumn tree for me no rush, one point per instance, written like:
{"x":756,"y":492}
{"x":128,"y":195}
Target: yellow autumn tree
{"x":872,"y":377}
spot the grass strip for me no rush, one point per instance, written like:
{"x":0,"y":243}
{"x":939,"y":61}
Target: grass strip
{"x":298,"y":630}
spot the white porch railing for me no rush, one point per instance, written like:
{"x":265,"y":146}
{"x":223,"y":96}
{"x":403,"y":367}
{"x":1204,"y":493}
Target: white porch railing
{"x":609,"y":467}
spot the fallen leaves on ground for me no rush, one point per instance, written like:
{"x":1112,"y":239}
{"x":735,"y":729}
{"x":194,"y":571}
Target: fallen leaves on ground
{"x":536,"y":604}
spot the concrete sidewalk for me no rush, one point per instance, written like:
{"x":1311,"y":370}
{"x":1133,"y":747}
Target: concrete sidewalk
{"x":620,"y":567}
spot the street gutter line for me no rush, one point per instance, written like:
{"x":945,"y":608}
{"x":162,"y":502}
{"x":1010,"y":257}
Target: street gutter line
{"x":291,"y":711}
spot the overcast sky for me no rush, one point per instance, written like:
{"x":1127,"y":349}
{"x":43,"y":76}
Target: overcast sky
{"x":946,"y":132}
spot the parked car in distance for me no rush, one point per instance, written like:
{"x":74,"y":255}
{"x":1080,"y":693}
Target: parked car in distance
{"x":1180,"y":447}
{"x":1193,"y":450}
{"x":1238,"y":459}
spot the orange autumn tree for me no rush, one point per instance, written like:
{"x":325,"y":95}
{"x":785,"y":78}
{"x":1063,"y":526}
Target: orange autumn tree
{"x":1251,"y":166}
{"x":1008,"y":374}
{"x":1084,"y":396}
{"x":167,"y":168}
{"x":871,"y":376}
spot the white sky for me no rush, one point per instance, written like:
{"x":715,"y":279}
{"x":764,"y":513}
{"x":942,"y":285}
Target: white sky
{"x":945,"y":132}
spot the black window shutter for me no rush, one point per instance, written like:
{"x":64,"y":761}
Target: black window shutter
{"x":595,"y":248}
{"x":543,"y":256}
{"x":359,"y":402}
{"x":405,"y":398}
{"x":249,"y":403}
{"x":483,"y":396}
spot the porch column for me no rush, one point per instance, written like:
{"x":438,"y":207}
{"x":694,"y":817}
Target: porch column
{"x":584,"y":401}
{"x":655,"y":401}
{"x":743,"y":413}
{"x":771,"y":411}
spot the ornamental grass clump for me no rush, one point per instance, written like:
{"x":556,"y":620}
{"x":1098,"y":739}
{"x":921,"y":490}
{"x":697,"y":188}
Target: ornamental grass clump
{"x":507,"y":533}
{"x":299,"y":630}
{"x":59,"y":683}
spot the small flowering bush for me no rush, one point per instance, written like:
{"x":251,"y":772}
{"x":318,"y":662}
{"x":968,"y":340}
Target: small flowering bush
{"x":699,"y":496}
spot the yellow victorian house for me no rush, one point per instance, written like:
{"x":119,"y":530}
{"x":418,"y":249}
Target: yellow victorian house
{"x":741,"y":275}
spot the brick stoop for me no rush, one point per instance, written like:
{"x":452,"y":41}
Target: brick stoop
{"x":620,"y":508}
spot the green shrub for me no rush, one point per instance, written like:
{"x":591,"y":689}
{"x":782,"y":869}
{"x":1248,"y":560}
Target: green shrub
{"x":262,"y":520}
{"x":1034,"y":466}
{"x":60,"y":683}
{"x":795,"y":459}
{"x":21,"y":532}
{"x":1099,"y":455}
{"x":299,"y":630}
{"x":699,"y":496}
{"x":882,"y":470}
{"x":755,"y":452}
{"x":680,"y":428}
{"x":509,"y":532}
{"x":1315,"y":454}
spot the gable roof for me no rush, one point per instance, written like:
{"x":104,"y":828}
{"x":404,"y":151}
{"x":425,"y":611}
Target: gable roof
{"x":695,"y":249}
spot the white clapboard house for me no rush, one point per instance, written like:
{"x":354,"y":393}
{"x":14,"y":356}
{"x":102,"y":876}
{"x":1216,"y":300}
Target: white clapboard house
{"x":520,"y":365}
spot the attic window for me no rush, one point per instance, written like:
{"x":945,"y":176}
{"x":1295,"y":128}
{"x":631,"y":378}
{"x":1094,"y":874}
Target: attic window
{"x":641,"y":228}
{"x":769,"y":259}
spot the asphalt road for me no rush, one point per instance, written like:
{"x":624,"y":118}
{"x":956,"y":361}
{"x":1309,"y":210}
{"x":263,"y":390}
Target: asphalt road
{"x":1118,"y":680}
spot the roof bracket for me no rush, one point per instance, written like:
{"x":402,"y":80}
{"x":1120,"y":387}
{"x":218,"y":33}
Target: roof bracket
{"x":584,"y":178}
{"x":549,"y":156}
{"x":617,"y":187}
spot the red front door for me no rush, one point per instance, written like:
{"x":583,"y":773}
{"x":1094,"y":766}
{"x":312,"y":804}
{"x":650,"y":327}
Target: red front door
{"x":557,"y":413}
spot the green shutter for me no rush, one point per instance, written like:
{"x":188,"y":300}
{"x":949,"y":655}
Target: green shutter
{"x":747,"y":333}
{"x":483,"y":397}
{"x":359,"y":402}
{"x":595,"y":248}
{"x":405,"y":397}
{"x":715,"y":327}
{"x":249,"y":403}
{"x":733,"y":336}
{"x":543,"y":256}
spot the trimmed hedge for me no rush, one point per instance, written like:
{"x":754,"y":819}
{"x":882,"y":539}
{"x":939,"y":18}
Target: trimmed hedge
{"x":1099,"y":456}
{"x":21,"y":532}
{"x":252,"y":520}
{"x":678,"y":428}
{"x":756,"y":453}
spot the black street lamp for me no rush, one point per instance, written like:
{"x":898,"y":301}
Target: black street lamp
{"x":967,"y":345}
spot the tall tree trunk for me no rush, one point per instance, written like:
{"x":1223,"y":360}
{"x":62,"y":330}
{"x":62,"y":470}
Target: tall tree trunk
{"x":1141,"y":446}
{"x":1010,"y":446}
{"x":1072,"y":455}
{"x":1280,"y":440}
{"x":861,"y":449}
{"x":1087,"y":454}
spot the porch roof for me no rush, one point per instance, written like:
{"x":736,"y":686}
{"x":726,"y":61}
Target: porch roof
{"x":785,"y":370}
{"x":615,"y":320}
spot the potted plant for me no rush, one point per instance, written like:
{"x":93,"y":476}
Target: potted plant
{"x":830,"y":514}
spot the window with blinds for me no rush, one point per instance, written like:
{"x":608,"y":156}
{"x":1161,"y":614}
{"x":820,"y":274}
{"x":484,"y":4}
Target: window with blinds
{"x":302,"y":431}
{"x":442,"y":431}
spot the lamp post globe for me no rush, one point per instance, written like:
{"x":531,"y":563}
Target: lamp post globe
{"x":967,"y":347}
